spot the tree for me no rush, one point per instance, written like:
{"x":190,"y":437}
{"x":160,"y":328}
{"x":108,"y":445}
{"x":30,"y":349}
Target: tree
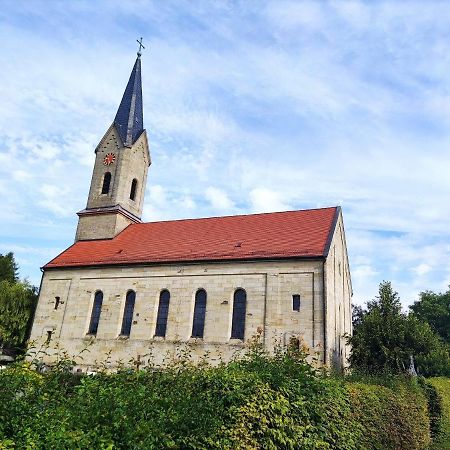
{"x":384,"y":338}
{"x":435,"y":310}
{"x":8,"y":268}
{"x":18,"y":301}
{"x":17,"y":304}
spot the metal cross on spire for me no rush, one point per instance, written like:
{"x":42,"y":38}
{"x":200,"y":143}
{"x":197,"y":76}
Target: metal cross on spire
{"x":140,"y":47}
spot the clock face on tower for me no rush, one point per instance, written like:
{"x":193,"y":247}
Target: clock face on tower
{"x":109,"y":159}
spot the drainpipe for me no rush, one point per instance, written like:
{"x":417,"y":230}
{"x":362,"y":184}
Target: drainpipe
{"x":265,"y":313}
{"x":325,"y":312}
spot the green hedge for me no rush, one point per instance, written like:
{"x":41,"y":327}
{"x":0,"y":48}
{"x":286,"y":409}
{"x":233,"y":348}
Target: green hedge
{"x":442,"y":388}
{"x":277,"y":402}
{"x":391,"y":418}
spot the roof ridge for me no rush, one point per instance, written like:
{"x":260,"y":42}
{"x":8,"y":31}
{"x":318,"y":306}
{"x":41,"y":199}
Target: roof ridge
{"x":235,"y":215}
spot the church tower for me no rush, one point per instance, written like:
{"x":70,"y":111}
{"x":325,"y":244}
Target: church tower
{"x":122,"y":159}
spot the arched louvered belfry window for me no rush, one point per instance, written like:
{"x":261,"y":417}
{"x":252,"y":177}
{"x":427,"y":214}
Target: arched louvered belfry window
{"x":128,"y":313}
{"x":95,"y":314}
{"x":133,"y":189}
{"x":198,"y":324}
{"x":106,"y":182}
{"x":163,"y":313}
{"x":239,"y":310}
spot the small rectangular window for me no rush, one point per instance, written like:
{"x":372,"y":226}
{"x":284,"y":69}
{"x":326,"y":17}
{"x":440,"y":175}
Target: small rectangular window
{"x":296,"y":302}
{"x":57,"y":302}
{"x":49,"y":336}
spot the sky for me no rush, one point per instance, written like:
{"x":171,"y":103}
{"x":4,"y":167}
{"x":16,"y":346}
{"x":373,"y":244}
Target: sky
{"x":250,"y":106}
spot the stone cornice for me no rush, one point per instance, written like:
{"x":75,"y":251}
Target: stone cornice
{"x":117,"y":209}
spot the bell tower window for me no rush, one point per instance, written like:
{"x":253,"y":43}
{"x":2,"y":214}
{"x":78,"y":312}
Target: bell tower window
{"x":106,"y":183}
{"x":133,"y":189}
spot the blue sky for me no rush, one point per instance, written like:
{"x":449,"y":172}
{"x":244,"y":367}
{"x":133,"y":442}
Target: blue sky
{"x":250,"y":106}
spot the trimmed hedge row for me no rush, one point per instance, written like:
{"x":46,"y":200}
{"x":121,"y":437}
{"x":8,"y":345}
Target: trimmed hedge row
{"x":391,"y":419}
{"x":262,"y":402}
{"x":442,"y":412}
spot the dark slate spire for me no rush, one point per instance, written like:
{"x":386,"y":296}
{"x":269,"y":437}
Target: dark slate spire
{"x":129,"y":117}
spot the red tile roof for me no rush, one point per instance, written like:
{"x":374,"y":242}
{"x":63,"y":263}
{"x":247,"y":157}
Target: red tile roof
{"x":305,"y":233}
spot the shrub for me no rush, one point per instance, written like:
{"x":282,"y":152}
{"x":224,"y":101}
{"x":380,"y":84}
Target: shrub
{"x":262,"y":401}
{"x":391,"y":419}
{"x":442,"y":401}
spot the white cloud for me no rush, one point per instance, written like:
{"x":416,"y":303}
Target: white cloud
{"x":21,"y":175}
{"x":54,"y":198}
{"x":267,"y":200}
{"x":363,"y":272}
{"x":157,"y":195}
{"x":295,"y":15}
{"x":422,"y":269}
{"x":218,"y":199}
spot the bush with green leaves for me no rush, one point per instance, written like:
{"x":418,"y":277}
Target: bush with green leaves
{"x":391,"y":419}
{"x":261,"y":401}
{"x":441,"y":409}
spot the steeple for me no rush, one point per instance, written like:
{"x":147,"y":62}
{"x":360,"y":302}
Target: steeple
{"x":129,"y":118}
{"x":122,"y":158}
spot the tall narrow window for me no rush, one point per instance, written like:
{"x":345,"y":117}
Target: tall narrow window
{"x":128,"y":313}
{"x":106,"y":182}
{"x":133,"y":189}
{"x":239,"y":309}
{"x":95,"y":314}
{"x":163,"y":313}
{"x":296,"y":302}
{"x":198,"y":325}
{"x":57,"y":302}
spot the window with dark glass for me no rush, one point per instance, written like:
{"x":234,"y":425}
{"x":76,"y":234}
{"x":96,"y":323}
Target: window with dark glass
{"x":49,"y":336}
{"x":128,"y":313}
{"x":133,"y":189}
{"x":198,"y":325}
{"x":239,"y":309}
{"x":163,"y":313}
{"x":296,"y":302}
{"x":106,"y":182}
{"x":96,"y":310}
{"x":57,"y":302}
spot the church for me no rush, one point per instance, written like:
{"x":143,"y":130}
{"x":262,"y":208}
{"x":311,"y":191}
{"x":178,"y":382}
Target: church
{"x":130,"y":291}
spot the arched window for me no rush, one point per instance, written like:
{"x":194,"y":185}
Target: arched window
{"x":163,"y":313}
{"x":128,"y":313}
{"x":95,"y":314}
{"x":106,"y":182}
{"x":239,"y":307}
{"x":198,"y":325}
{"x":133,"y":189}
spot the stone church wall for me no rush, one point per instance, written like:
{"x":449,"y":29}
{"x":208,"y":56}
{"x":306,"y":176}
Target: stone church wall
{"x":338,"y":293}
{"x":102,"y":226}
{"x":269,"y":285}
